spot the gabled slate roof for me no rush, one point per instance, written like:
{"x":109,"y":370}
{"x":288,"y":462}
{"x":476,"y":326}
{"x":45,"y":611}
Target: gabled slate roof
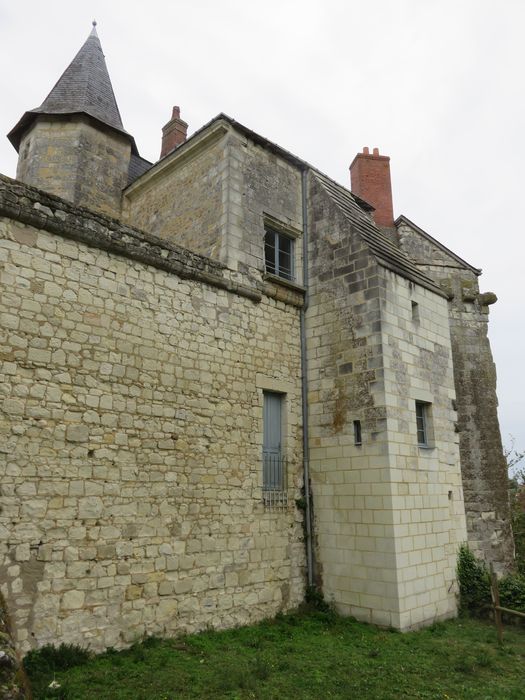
{"x":353,"y":208}
{"x":84,"y":87}
{"x":386,"y":253}
{"x":462,"y":263}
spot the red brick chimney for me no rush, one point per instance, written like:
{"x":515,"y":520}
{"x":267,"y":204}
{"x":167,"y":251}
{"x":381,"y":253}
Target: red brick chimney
{"x":370,"y":180}
{"x":173,"y":133}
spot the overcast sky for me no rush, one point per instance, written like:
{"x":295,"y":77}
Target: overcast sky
{"x":436,"y":85}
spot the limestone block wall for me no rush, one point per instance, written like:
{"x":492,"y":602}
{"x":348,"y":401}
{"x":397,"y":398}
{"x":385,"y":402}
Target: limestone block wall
{"x":183,"y":198}
{"x":426,"y":495}
{"x":356,"y":558}
{"x":215,"y":194}
{"x":388,"y":515}
{"x":131,"y":435}
{"x":483,"y":465}
{"x":71,"y":158}
{"x":264,"y":189}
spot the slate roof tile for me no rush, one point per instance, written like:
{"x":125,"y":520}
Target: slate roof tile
{"x":386,"y":253}
{"x":84,"y":87}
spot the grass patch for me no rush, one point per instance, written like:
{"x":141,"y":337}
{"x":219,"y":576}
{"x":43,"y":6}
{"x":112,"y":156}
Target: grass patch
{"x":312,"y":656}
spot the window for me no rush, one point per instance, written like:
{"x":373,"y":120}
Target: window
{"x":423,"y":423}
{"x":274,"y":464}
{"x":415,"y":311}
{"x":278,"y":254}
{"x":357,"y":433}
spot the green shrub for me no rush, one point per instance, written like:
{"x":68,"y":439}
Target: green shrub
{"x":512,"y":592}
{"x":474,"y":586}
{"x":518,"y":528}
{"x":314,"y":602}
{"x":42,"y":664}
{"x":48,"y":659}
{"x":474,"y":583}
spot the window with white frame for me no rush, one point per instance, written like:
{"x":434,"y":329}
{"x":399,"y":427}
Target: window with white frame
{"x":278,"y":254}
{"x":423,"y":423}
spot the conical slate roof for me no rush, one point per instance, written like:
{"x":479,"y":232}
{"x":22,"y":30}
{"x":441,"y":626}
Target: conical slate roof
{"x":84,"y":87}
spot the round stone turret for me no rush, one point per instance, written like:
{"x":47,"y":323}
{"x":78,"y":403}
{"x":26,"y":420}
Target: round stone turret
{"x":74,"y":145}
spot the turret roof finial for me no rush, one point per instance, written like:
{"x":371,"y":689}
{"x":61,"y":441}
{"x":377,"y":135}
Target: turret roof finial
{"x":83,"y":88}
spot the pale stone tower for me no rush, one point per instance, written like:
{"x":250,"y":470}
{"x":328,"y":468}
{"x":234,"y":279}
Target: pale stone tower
{"x":74,"y":145}
{"x":483,"y":465}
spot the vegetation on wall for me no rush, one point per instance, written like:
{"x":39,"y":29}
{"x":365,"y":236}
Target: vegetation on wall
{"x":474,"y":583}
{"x":518,"y":528}
{"x":514,"y":459}
{"x":473,"y":574}
{"x":474,"y":586}
{"x":12,"y":678}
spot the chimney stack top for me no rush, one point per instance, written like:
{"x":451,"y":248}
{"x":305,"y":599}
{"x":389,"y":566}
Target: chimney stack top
{"x":370,"y":180}
{"x":173,"y":133}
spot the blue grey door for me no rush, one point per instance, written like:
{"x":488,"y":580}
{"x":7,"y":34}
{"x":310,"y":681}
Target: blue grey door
{"x":272,"y":442}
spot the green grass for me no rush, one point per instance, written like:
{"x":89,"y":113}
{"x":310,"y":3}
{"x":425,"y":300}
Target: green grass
{"x":317,"y":655}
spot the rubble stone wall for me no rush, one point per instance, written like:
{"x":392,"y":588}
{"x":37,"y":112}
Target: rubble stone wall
{"x":132,"y":382}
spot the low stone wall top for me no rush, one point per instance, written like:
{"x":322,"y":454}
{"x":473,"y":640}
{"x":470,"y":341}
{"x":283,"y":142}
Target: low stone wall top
{"x":45,"y":211}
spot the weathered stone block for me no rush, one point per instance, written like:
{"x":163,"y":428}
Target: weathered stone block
{"x":72,"y":600}
{"x":91,"y":507}
{"x":13,"y":406}
{"x":77,"y":433}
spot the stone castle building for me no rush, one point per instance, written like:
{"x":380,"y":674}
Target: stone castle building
{"x":186,"y":344}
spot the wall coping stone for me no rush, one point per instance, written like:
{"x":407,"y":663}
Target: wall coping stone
{"x":42,"y":210}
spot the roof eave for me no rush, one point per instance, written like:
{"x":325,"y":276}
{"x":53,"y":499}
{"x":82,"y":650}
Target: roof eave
{"x":17,"y":132}
{"x":24,"y":123}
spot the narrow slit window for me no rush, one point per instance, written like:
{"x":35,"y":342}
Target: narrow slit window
{"x":357,"y":433}
{"x":415,"y":311}
{"x":423,"y":423}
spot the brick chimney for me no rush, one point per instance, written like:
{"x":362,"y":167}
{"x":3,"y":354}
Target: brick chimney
{"x":173,"y":133}
{"x":370,"y":180}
